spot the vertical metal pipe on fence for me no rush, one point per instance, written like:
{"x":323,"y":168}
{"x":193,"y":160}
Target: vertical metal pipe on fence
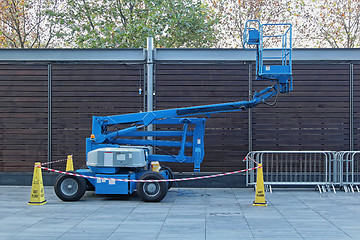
{"x":250,"y":110}
{"x":351,"y":127}
{"x":150,"y":81}
{"x":150,"y":76}
{"x":49,"y":108}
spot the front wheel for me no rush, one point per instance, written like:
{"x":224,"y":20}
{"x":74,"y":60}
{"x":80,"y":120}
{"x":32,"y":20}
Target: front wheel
{"x":69,"y":188}
{"x":152,"y":191}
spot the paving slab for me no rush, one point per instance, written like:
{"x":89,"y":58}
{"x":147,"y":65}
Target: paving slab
{"x":198,"y":213}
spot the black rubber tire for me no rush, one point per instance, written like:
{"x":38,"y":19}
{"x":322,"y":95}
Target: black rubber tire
{"x":69,"y":188}
{"x":151,"y":191}
{"x":170,"y":173}
{"x":89,"y":186}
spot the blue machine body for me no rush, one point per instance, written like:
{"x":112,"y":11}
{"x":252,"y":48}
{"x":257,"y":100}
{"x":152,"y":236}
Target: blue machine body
{"x":103,"y":186}
{"x":110,"y":186}
{"x":109,"y":131}
{"x":115,"y":187}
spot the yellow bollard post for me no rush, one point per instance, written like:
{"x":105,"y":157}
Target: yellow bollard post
{"x":260,"y":189}
{"x":69,"y":163}
{"x":37,"y":189}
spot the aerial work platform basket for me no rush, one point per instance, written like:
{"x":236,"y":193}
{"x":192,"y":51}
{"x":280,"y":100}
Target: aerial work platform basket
{"x":272,"y":63}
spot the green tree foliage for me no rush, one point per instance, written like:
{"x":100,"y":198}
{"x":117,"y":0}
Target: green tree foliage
{"x":127,"y":23}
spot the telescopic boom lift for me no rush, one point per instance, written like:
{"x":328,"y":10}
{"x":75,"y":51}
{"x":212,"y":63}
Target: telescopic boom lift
{"x":126,"y":153}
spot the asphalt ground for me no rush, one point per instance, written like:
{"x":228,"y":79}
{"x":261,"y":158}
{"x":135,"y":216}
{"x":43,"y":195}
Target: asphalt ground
{"x":197,"y":213}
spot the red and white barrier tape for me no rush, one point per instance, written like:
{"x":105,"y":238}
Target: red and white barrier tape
{"x":47,"y":163}
{"x":248,"y":157}
{"x":150,"y":180}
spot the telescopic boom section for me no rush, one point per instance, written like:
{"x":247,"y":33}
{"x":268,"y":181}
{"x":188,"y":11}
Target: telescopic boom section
{"x":140,"y":120}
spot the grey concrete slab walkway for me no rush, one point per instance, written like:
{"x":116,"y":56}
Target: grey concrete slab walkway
{"x":186,"y":214}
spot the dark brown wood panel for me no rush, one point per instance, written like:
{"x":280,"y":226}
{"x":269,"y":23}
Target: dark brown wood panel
{"x":226,"y":135}
{"x":315,"y":116}
{"x":23,"y":116}
{"x":82,"y":91}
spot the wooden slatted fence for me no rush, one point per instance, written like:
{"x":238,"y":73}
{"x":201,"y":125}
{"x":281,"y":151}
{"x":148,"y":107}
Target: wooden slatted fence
{"x":316,"y":116}
{"x":85,"y":90}
{"x":23,"y":116}
{"x":226,"y":134}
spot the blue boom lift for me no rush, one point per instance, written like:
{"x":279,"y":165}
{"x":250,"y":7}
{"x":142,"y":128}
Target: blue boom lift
{"x":127,"y":154}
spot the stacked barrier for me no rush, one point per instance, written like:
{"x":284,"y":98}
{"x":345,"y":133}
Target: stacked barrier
{"x":301,"y":168}
{"x":349,"y":170}
{"x":323,"y":169}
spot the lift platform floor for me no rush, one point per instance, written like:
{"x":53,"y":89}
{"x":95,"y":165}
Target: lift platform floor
{"x":188,"y":213}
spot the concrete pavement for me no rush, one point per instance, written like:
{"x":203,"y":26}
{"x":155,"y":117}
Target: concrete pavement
{"x":198,"y":213}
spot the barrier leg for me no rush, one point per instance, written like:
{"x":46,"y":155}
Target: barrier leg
{"x":333,"y":187}
{"x":37,"y":189}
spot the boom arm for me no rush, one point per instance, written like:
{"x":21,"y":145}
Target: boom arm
{"x":104,"y":135}
{"x":140,"y":120}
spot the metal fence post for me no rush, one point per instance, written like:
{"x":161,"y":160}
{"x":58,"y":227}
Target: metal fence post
{"x":150,"y":76}
{"x":351,"y":147}
{"x":250,"y":110}
{"x":150,"y":82}
{"x":49,"y":107}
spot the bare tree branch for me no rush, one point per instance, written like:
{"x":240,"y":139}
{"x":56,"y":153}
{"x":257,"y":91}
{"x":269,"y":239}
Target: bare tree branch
{"x":123,"y":18}
{"x":87,"y":13}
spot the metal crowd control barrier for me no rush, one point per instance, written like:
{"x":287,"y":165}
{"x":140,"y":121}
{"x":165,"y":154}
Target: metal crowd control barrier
{"x":317,"y":168}
{"x":349,"y":170}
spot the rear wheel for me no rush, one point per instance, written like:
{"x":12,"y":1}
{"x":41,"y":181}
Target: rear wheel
{"x":152,"y":191}
{"x":69,"y":188}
